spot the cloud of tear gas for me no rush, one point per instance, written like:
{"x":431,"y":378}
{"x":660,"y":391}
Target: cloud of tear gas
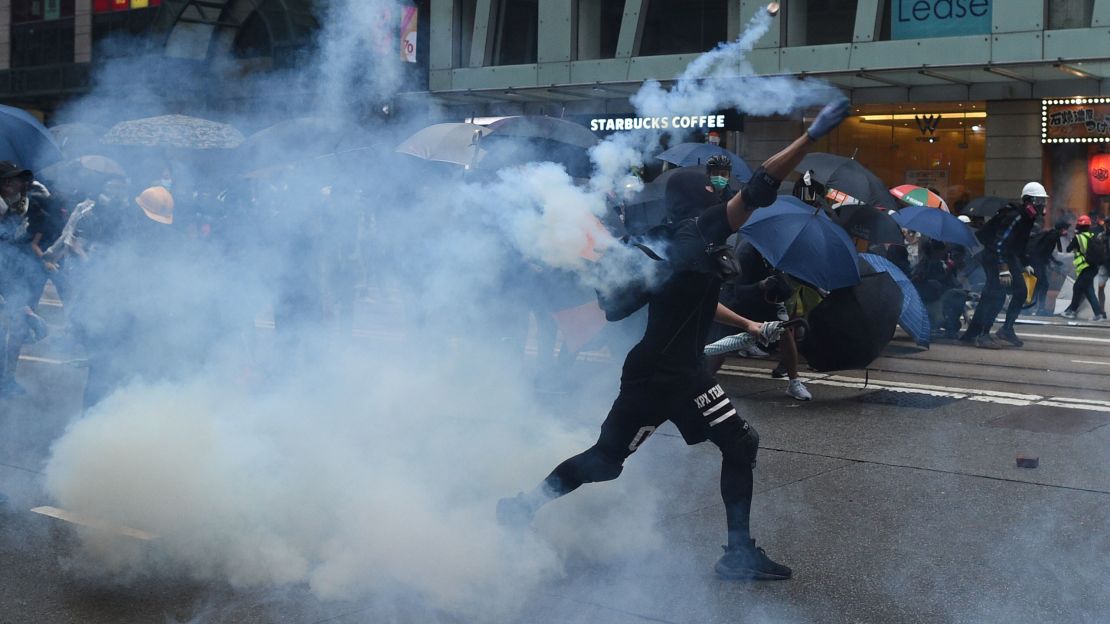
{"x":366,"y":467}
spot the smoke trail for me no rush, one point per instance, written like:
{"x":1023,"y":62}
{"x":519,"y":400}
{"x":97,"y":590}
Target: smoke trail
{"x":370,"y":470}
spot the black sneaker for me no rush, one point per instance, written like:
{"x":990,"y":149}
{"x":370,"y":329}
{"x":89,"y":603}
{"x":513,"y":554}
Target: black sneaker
{"x":986,"y":342}
{"x":1009,"y":336}
{"x":779,"y":371}
{"x":514,"y":512}
{"x":749,"y":562}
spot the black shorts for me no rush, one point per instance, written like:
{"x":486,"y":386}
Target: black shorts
{"x":699,"y":408}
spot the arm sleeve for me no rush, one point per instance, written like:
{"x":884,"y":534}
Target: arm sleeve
{"x":713,"y":224}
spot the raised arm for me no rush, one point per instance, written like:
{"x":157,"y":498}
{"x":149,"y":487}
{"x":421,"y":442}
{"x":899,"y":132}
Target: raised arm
{"x":763,"y":187}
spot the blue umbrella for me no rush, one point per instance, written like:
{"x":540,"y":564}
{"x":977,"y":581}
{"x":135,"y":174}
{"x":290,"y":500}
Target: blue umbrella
{"x":687,"y":154}
{"x":914,"y":318}
{"x":25,"y":141}
{"x":936,"y":224}
{"x":803,"y":241}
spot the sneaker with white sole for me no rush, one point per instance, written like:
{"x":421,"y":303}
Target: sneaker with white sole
{"x":797,"y":389}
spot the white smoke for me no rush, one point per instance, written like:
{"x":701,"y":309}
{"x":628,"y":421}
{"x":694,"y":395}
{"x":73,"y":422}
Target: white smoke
{"x":361,"y":470}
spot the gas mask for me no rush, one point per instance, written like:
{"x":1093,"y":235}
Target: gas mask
{"x":1034,"y":206}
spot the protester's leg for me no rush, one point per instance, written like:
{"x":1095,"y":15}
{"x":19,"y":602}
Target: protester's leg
{"x":789,"y":348}
{"x":1040,"y":291}
{"x":635,"y":415}
{"x":1092,"y":298}
{"x":1018,"y":294}
{"x":1083,"y":291}
{"x":952,"y":307}
{"x":990,"y":302}
{"x":739,"y":444}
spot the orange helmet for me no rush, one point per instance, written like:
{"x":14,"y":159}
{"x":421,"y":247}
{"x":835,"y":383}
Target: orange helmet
{"x":157,"y":203}
{"x":1083,"y":220}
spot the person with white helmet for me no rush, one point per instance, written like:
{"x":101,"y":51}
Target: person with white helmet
{"x":1005,"y":240}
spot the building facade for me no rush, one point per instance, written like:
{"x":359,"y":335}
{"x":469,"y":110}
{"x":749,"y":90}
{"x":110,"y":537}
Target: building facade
{"x":947,"y":93}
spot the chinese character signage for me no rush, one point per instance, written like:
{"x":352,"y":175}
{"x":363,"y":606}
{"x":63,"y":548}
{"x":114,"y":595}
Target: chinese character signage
{"x":919,"y":19}
{"x":408,"y":34}
{"x":1075,"y":121}
{"x":108,"y":6}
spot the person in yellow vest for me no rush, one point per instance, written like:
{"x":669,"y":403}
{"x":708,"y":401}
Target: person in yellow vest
{"x":1086,"y":268}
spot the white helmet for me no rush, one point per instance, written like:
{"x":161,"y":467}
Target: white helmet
{"x":1034,"y":189}
{"x":964,"y":218}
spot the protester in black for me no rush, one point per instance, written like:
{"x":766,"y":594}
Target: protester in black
{"x":1041,"y":247}
{"x":1005,"y":238}
{"x":664,"y":376}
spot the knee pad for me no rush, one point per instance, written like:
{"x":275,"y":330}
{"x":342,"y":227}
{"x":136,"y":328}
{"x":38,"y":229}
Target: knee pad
{"x":596,"y":465}
{"x":744,"y":448}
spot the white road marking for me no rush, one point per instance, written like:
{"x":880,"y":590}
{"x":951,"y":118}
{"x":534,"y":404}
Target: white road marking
{"x":971,"y":394}
{"x":40,"y":360}
{"x":1066,"y":338}
{"x":1090,"y":362}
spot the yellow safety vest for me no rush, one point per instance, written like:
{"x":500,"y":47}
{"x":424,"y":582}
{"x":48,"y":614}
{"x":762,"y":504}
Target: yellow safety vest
{"x":1082,"y":239}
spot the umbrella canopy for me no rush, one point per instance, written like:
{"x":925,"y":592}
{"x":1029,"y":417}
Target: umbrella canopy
{"x":849,"y":177}
{"x":648,"y":209}
{"x":544,"y":128}
{"x":180,"y":131}
{"x":919,"y":196}
{"x":985,"y":207}
{"x":293,"y":141}
{"x":93,"y":164}
{"x":870,"y":223}
{"x":852,"y":326}
{"x":914,"y":318}
{"x":78,"y":139}
{"x":693,"y":154}
{"x":532,"y":138}
{"x":803,"y":242}
{"x":456,"y":143}
{"x":25,"y":141}
{"x":937,"y":225}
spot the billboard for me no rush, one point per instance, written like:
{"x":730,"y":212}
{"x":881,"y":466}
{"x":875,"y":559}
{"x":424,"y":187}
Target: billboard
{"x":1077,"y":120}
{"x":409,"y":17}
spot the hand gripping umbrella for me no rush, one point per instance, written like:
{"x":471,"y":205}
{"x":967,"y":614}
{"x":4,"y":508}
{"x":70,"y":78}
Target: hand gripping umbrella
{"x":848,"y":176}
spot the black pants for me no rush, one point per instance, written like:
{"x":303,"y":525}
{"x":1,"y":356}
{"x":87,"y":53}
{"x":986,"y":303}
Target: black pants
{"x":1085,"y":287}
{"x":701,"y":411}
{"x":1040,"y":291}
{"x":993,"y":299}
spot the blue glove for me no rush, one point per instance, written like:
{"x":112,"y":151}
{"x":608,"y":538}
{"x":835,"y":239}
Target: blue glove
{"x":829,"y":118}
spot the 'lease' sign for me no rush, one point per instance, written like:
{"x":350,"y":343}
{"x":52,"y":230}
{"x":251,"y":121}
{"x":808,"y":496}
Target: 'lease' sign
{"x":918,"y":19}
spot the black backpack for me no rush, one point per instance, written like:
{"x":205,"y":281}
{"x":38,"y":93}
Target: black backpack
{"x":1097,"y":251}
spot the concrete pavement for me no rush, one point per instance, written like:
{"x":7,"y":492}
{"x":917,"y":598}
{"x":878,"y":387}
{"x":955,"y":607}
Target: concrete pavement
{"x":894,"y":501}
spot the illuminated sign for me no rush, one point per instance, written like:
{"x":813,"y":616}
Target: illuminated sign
{"x":1076,"y":120}
{"x":109,"y":6}
{"x":683,"y":122}
{"x":919,"y":19}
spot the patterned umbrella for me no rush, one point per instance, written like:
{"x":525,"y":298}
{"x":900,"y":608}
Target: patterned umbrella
{"x":919,"y":196}
{"x":914,"y":318}
{"x":178,"y":131}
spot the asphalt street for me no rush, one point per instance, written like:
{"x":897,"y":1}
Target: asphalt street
{"x":894,"y":496}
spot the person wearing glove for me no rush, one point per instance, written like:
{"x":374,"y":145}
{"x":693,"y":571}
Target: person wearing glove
{"x":664,"y":376}
{"x":1005,"y":240}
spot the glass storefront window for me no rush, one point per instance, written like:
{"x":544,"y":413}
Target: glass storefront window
{"x":599,"y":27}
{"x":40,"y":10}
{"x":517,"y":25}
{"x":894,"y":142}
{"x":820,"y":22}
{"x":1069,"y":14}
{"x":684,"y":26}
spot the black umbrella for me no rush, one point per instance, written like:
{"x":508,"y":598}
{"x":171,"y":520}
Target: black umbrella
{"x":647,"y":208}
{"x":533,"y":138}
{"x":544,"y":128}
{"x":852,"y":326}
{"x":848,"y":176}
{"x":293,"y":141}
{"x":870,"y":224}
{"x":985,"y":207}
